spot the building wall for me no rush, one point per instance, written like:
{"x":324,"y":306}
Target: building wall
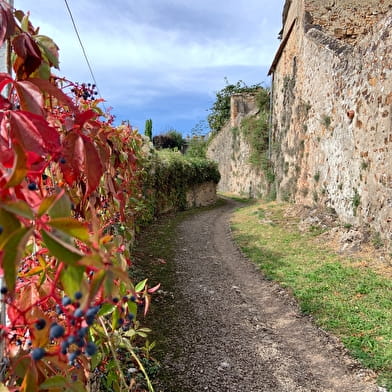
{"x":332,"y":103}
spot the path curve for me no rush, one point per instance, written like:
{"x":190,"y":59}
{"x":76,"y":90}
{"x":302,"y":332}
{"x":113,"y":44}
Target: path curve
{"x":236,"y":331}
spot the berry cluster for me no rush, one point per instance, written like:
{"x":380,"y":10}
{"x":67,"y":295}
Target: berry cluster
{"x":86,"y":91}
{"x":72,"y":338}
{"x":71,"y":332}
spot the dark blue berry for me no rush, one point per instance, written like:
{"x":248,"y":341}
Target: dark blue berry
{"x":1,"y":229}
{"x":64,"y":347}
{"x":130,"y":316}
{"x":80,"y":342}
{"x":90,"y":320}
{"x":38,"y":353}
{"x":78,"y":313}
{"x":92,"y":311}
{"x":71,"y":339}
{"x":56,"y":331}
{"x":78,"y":295}
{"x":82,"y":332}
{"x":71,"y":357}
{"x":66,"y":301}
{"x":58,"y":309}
{"x":63,"y":161}
{"x":91,"y":349}
{"x":44,"y":177}
{"x":133,"y":298}
{"x":3,"y":290}
{"x":115,"y":300}
{"x":32,"y":186}
{"x":120,"y":322}
{"x":40,"y":324}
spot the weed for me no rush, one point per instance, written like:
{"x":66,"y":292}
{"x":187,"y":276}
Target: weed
{"x":377,"y":240}
{"x":304,"y":191}
{"x":348,"y":226}
{"x":326,"y":120}
{"x":316,"y":177}
{"x":364,"y":165}
{"x":315,"y":196}
{"x":356,"y":201}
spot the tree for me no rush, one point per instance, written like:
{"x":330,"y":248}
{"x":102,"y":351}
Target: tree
{"x":148,"y":129}
{"x":171,"y":139}
{"x":220,"y":110}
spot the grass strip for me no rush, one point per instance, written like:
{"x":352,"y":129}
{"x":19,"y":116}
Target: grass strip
{"x":353,"y":303}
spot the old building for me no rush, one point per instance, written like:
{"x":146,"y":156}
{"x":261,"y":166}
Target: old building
{"x":331,"y":125}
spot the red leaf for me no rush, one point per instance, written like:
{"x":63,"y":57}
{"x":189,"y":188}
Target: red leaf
{"x":82,"y":161}
{"x":29,"y":54}
{"x":85,"y":116}
{"x":4,"y":78}
{"x":93,"y":167}
{"x":33,"y":132}
{"x":30,"y":97}
{"x":7,"y":22}
{"x":49,"y":88}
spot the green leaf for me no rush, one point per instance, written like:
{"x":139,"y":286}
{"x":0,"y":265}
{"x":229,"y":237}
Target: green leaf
{"x":60,"y":249}
{"x":50,"y":49}
{"x":72,"y":227}
{"x":54,"y":382}
{"x":115,"y":318}
{"x":106,"y":309}
{"x":19,"y":169}
{"x":132,"y":308}
{"x":71,"y":278}
{"x":9,"y":224}
{"x":20,"y":208}
{"x":61,"y":208}
{"x":77,"y":386}
{"x":13,"y":252}
{"x":140,"y":286}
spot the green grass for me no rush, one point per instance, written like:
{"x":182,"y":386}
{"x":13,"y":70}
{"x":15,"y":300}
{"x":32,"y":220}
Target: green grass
{"x":353,"y":303}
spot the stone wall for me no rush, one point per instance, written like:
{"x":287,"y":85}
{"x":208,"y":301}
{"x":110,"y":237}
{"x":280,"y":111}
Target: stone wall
{"x":231,"y":151}
{"x":201,"y":195}
{"x":332,"y":105}
{"x":348,"y":20}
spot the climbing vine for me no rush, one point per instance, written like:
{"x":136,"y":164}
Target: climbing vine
{"x":69,"y":184}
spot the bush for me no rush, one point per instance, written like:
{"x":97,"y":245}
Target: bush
{"x":170,"y":175}
{"x":169,"y":140}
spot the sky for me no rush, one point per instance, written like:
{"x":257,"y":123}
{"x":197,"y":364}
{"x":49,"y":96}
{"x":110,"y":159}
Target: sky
{"x":162,"y":59}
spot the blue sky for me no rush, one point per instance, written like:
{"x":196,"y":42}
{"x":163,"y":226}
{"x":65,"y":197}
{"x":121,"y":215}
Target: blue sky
{"x":162,"y":59}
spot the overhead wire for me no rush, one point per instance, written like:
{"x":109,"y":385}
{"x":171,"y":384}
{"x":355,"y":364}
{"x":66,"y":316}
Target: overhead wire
{"x":84,"y":52}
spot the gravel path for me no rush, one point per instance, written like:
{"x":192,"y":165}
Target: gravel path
{"x":235,"y":331}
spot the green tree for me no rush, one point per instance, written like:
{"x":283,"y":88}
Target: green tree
{"x":148,"y":129}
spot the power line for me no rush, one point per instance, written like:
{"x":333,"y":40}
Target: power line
{"x":84,"y":51}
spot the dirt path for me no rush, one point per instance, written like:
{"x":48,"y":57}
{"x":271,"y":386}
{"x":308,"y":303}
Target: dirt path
{"x":236,"y":331}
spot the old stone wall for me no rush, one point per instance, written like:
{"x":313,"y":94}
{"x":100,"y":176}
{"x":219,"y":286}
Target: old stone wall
{"x":231,"y":151}
{"x":332,"y":121}
{"x":201,"y":195}
{"x":348,"y":20}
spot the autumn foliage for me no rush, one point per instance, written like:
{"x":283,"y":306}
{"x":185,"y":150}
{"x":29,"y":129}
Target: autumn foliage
{"x":69,"y":181}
